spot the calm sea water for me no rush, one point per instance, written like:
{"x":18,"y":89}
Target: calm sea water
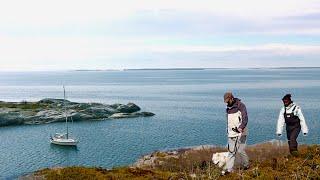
{"x":188,"y":105}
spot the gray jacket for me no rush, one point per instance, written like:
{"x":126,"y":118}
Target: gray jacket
{"x":239,"y":106}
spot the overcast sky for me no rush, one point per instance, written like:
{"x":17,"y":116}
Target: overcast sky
{"x":93,"y":34}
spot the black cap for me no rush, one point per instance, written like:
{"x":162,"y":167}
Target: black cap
{"x":287,"y":96}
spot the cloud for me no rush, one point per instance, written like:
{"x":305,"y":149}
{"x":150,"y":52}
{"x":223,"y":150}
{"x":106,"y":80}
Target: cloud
{"x":154,"y":16}
{"x":43,"y":34}
{"x":108,"y":53}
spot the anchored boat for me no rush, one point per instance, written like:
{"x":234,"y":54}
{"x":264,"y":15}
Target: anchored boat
{"x":63,"y":138}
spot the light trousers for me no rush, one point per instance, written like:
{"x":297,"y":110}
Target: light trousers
{"x":236,"y":145}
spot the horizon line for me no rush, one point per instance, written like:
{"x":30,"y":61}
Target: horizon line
{"x":159,"y":69}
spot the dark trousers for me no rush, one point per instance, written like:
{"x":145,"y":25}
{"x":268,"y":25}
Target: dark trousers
{"x":292,"y":135}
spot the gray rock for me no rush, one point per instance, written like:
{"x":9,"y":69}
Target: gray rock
{"x":123,"y":115}
{"x":146,"y":114}
{"x":11,"y":118}
{"x":129,"y":108}
{"x":131,"y":115}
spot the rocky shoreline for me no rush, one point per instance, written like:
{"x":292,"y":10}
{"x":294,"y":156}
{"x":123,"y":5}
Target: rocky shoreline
{"x":52,"y":110}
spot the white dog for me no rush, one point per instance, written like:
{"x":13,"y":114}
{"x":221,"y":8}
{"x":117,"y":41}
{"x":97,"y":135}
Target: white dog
{"x":220,"y":159}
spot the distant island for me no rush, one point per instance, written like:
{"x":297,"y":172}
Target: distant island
{"x":165,"y":69}
{"x":144,"y":69}
{"x":190,"y":69}
{"x":52,"y":110}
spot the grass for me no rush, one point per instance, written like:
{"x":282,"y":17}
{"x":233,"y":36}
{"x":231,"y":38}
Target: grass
{"x":305,"y":166}
{"x":267,"y":161}
{"x":102,"y":174}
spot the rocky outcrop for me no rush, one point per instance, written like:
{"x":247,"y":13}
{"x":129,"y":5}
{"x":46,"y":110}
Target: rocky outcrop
{"x":52,"y":110}
{"x":131,"y":115}
{"x":151,"y":160}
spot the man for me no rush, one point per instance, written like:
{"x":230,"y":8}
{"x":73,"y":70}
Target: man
{"x":237,"y":120}
{"x":291,"y":114}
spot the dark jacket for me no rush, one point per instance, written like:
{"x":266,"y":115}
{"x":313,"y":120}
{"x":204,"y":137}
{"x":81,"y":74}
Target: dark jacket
{"x":239,"y":106}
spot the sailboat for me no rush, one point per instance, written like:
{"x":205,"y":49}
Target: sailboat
{"x":63,"y":138}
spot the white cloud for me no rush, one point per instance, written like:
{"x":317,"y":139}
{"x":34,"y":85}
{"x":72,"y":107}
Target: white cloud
{"x":43,"y":34}
{"x":85,"y":53}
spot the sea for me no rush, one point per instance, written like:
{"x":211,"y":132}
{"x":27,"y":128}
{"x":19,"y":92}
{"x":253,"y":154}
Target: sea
{"x":188,"y":104}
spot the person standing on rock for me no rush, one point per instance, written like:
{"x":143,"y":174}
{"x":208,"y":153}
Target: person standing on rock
{"x":237,"y":120}
{"x":291,"y":114}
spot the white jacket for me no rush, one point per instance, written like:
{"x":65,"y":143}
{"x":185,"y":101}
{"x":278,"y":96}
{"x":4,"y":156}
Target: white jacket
{"x":296,"y":112}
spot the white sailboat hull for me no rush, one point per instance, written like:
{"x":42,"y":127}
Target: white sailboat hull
{"x":64,"y":142}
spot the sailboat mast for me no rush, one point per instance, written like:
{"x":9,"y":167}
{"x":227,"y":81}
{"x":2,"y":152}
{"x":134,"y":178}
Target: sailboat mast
{"x":65,"y":110}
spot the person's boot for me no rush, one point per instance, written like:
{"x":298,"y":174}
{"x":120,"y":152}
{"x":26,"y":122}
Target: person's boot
{"x":224,"y":173}
{"x":294,"y":153}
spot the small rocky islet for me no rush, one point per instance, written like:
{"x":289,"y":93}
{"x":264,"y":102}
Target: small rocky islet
{"x":52,"y":110}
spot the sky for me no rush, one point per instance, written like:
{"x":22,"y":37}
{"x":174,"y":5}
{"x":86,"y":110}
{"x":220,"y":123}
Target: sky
{"x":123,"y":34}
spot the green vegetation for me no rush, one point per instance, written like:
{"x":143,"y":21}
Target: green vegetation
{"x":23,"y":105}
{"x":268,"y":161}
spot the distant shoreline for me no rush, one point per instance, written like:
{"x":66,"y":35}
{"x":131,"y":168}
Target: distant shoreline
{"x":154,"y":69}
{"x":190,"y":69}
